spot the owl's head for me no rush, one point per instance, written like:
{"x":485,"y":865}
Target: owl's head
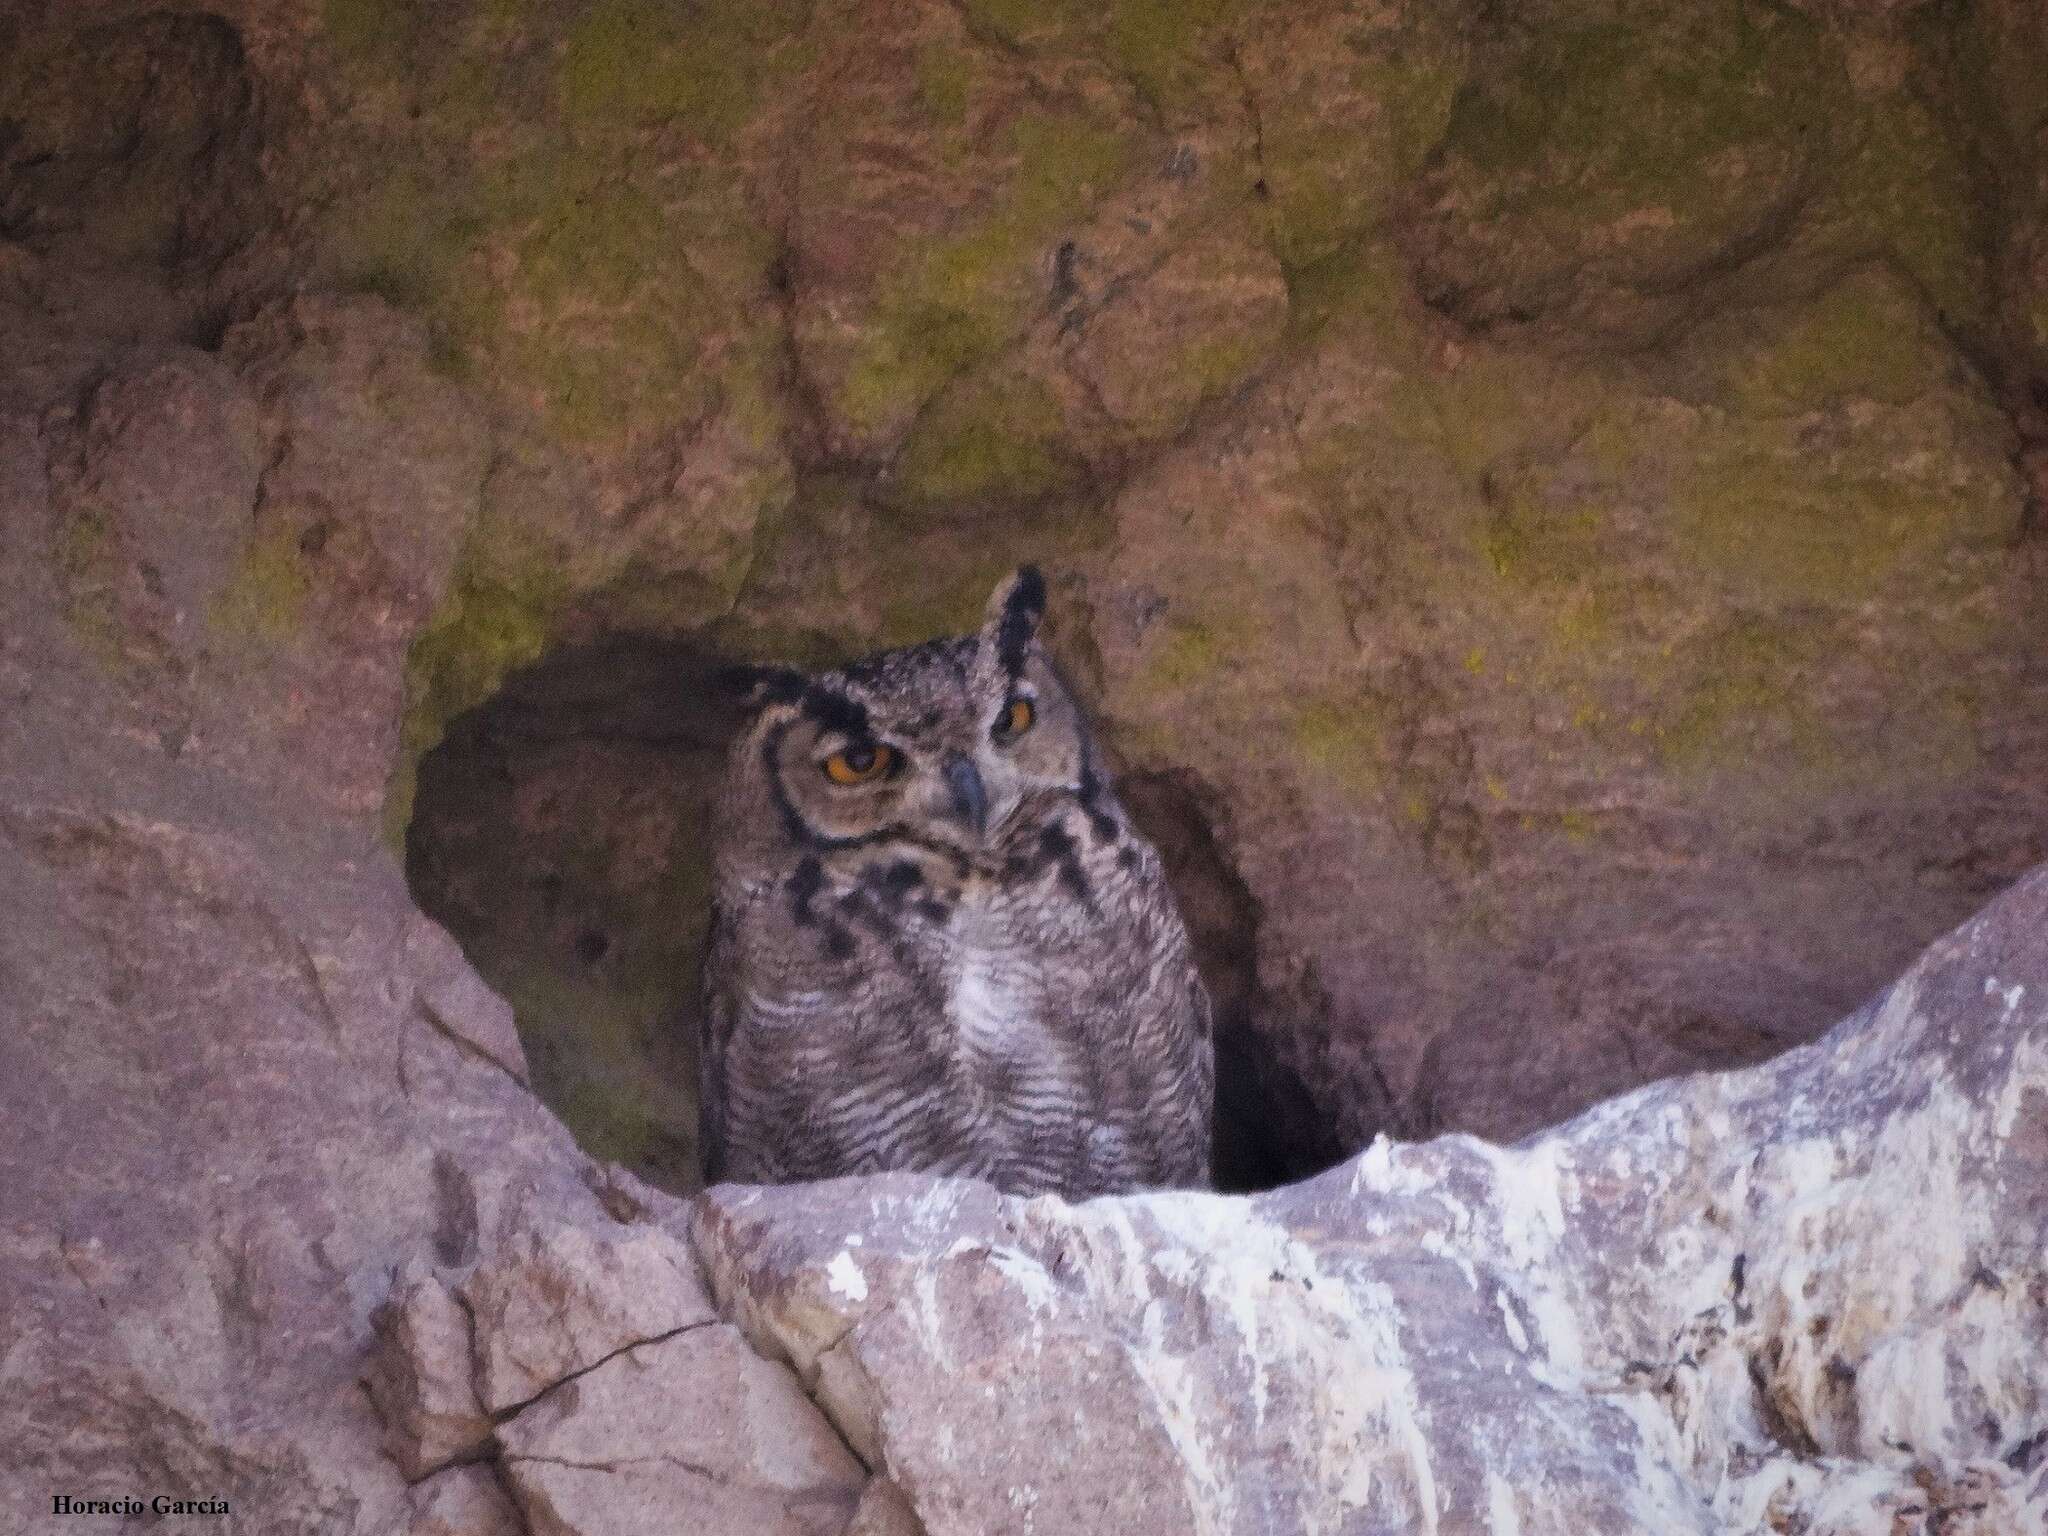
{"x":933,"y":744}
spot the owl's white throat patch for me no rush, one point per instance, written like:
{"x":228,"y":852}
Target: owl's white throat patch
{"x":985,"y":1003}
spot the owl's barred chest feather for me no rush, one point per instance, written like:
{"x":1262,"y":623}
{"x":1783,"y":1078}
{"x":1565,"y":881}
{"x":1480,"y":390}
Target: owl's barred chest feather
{"x":1001,"y":1021}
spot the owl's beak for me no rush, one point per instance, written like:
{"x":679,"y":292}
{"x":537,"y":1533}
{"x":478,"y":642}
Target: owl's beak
{"x":969,"y":797}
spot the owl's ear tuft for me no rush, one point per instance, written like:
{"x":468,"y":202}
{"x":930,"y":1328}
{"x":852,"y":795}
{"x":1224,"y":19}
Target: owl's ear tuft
{"x":1014,"y":610}
{"x":756,"y":687}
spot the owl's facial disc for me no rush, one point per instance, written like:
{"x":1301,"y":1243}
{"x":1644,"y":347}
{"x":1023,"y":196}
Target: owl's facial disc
{"x":936,"y":746}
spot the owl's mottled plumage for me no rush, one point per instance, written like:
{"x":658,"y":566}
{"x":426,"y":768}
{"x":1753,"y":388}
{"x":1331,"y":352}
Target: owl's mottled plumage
{"x":963,"y":960}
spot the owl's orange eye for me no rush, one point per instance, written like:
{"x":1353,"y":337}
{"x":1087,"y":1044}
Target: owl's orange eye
{"x":859,"y":763}
{"x":1016,"y":719}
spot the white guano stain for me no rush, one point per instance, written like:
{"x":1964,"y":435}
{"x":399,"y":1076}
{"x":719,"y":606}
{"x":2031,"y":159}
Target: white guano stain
{"x":2029,"y":1075}
{"x":845,"y":1278}
{"x":1327,"y":1336}
{"x":1502,"y":1519}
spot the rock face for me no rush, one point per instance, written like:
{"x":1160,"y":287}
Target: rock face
{"x":695,"y":1432}
{"x":1451,"y":510}
{"x":284,"y":1225}
{"x":245,"y":1084}
{"x":1467,"y":448}
{"x":1806,"y":1297}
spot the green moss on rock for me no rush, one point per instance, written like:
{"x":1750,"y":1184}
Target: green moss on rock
{"x":499,"y":616}
{"x":1773,"y":532}
{"x":1174,"y":52}
{"x":527,"y":218}
{"x":1906,"y":185}
{"x":1537,"y":541}
{"x":1342,"y":739}
{"x":1362,"y":286}
{"x":994,"y":443}
{"x":1331,"y":177}
{"x":1744,"y":684}
{"x":1023,"y":22}
{"x":606,"y":315}
{"x":407,"y":238}
{"x":1636,"y":150}
{"x":264,"y":598}
{"x":705,"y":66}
{"x":362,"y":28}
{"x":1641,"y":108}
{"x":948,"y":601}
{"x":1193,"y":648}
{"x":946,"y":79}
{"x":1865,"y":337}
{"x":960,"y":299}
{"x":1835,"y":466}
{"x":1191,"y":330}
{"x":86,"y":566}
{"x":1171,"y":50}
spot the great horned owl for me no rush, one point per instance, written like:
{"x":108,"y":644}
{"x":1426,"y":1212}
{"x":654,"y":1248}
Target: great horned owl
{"x":938,"y":943}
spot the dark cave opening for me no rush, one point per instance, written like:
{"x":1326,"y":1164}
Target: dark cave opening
{"x":1269,"y":1129}
{"x":561,"y":831}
